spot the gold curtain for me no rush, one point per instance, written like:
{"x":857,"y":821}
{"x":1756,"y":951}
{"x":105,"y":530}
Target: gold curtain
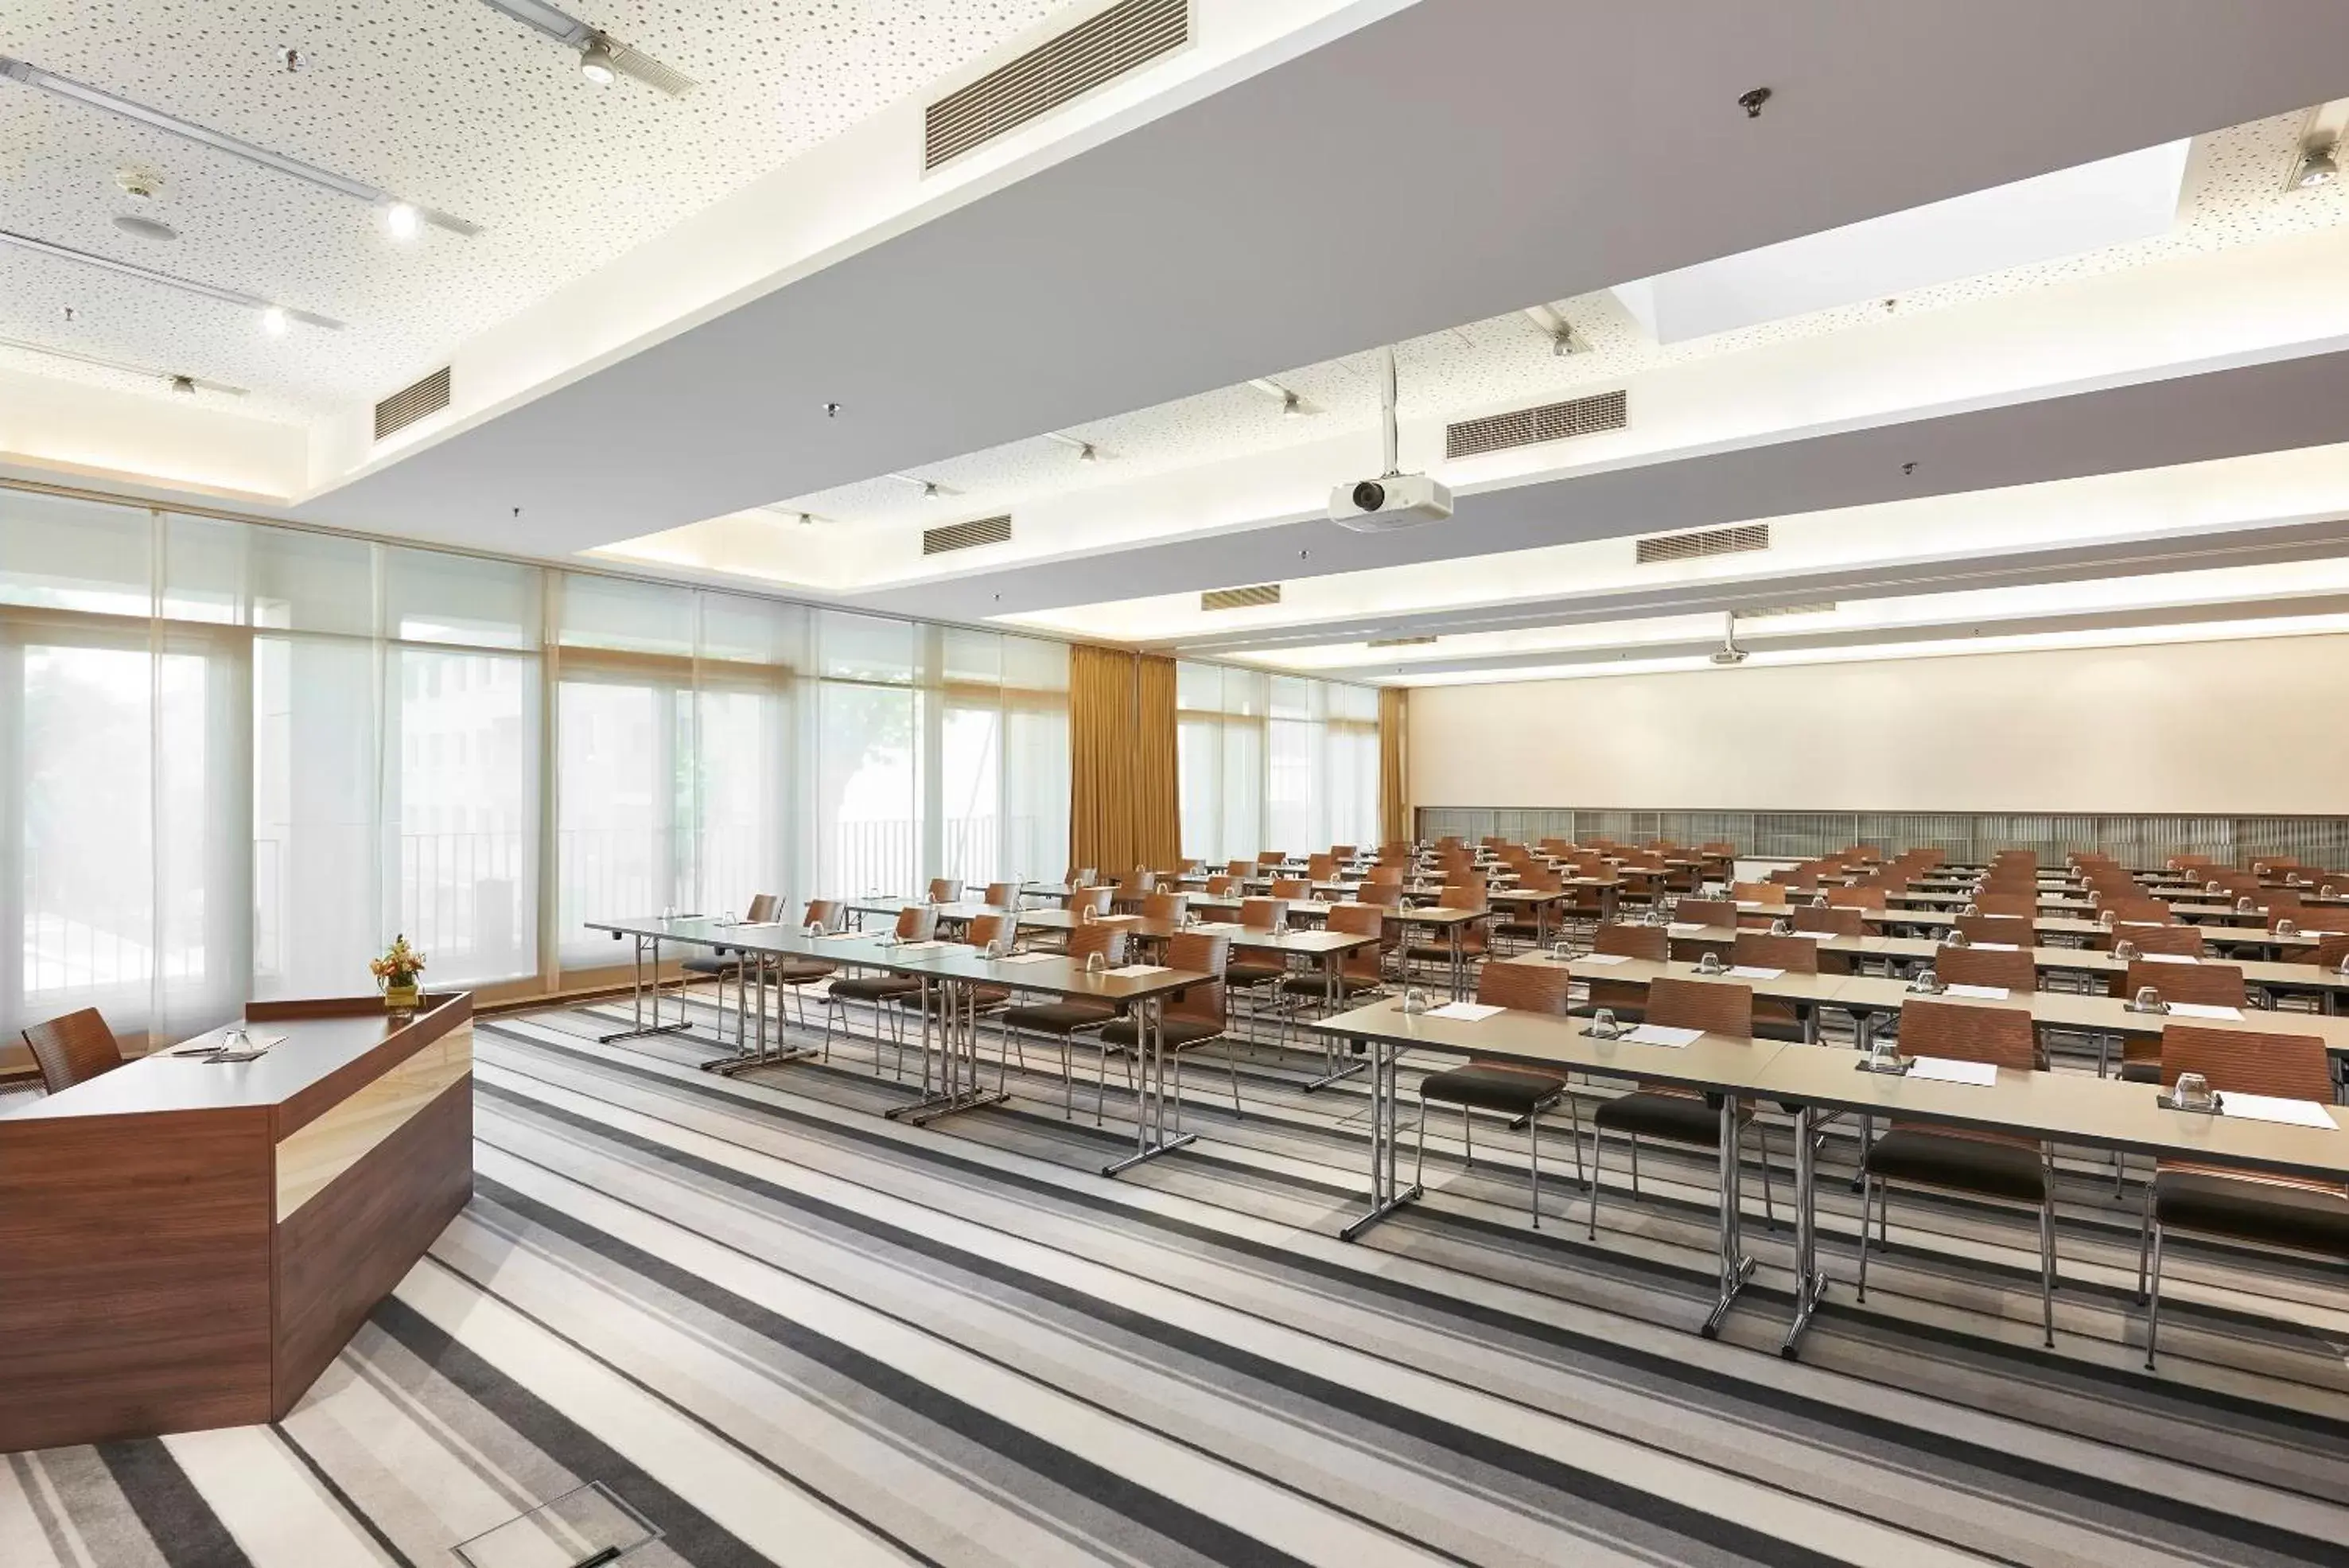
{"x":1122,"y":807}
{"x":1394,"y":768}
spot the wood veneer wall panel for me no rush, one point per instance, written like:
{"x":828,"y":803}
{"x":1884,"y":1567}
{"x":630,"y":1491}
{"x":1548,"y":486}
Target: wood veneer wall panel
{"x":134,"y":1275}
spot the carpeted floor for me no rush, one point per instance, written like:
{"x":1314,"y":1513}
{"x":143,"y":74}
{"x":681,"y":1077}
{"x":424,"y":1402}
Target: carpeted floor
{"x":785,"y":1329}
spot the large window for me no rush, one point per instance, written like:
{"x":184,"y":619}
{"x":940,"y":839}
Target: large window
{"x":1274,"y":762}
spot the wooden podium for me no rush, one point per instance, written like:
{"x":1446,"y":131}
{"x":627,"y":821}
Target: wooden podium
{"x":186,"y":1244}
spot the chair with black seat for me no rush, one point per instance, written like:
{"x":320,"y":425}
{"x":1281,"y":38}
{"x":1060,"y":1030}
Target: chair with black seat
{"x":1065,"y":1018}
{"x":945,"y":889}
{"x":1861,"y":898}
{"x":2297,"y":1214}
{"x":2196,"y":985}
{"x":1256,"y":979}
{"x":886,"y":994}
{"x":1518,"y":1091}
{"x":2009,"y":969}
{"x":1773,"y":1019}
{"x":794,"y":972}
{"x":1676,"y":1116}
{"x":1994,"y":1167}
{"x":1627,"y":1001}
{"x":1166,"y":908}
{"x":1834,"y":919}
{"x":2171,"y":937}
{"x":1430,"y":945}
{"x":2003,"y":930}
{"x":1361,"y":971}
{"x":1711,"y":913}
{"x":1189,"y":1019}
{"x":1003,"y":895}
{"x":993,"y":935}
{"x":73,"y":1049}
{"x":725,"y":964}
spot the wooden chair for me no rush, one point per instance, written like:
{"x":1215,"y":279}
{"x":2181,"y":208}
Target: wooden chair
{"x":886,"y":994}
{"x":2014,"y":970}
{"x":1757,"y":892}
{"x":1707,"y":912}
{"x":1387,"y":894}
{"x":1430,"y":946}
{"x":723,"y":964}
{"x":1627,"y":1001}
{"x":2025,"y":906}
{"x":794,"y":972}
{"x":1191,"y":1018}
{"x":1003,"y":895}
{"x":1239,"y":870}
{"x":1385,"y":874}
{"x":1256,"y":977}
{"x":946,"y":889}
{"x":1168,"y":907}
{"x":1676,"y":1116}
{"x":2295,"y":1213}
{"x":2007,"y":931}
{"x":1095,"y":899}
{"x":1064,"y":1018}
{"x":1292,"y":890}
{"x":1321,"y":868}
{"x":1995,"y":1167}
{"x":2204,"y":984}
{"x":73,"y":1049}
{"x":2177,"y":938}
{"x":1842,"y":921}
{"x":1855,"y":898}
{"x":1518,"y":1091}
{"x":1223,"y":884}
{"x":1775,"y":1020}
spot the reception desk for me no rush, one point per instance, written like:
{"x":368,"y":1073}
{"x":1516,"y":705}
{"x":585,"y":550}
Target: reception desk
{"x":187,"y":1243}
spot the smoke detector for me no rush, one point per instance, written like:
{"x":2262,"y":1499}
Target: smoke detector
{"x":140,"y":185}
{"x":1728,"y":654}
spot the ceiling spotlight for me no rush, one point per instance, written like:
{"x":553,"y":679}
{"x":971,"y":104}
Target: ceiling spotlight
{"x":1084,"y":449}
{"x":274,"y":320}
{"x":1751,"y":101}
{"x":1291,"y":406}
{"x":2315,"y":168}
{"x":145,"y":228}
{"x":403,"y":220}
{"x":184,"y":385}
{"x":596,"y":61}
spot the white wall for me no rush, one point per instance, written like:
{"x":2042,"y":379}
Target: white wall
{"x":2251,"y":727}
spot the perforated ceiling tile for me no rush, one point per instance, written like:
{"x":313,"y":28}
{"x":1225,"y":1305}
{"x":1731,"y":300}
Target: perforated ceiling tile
{"x":2233,"y":196}
{"x":449,"y":103}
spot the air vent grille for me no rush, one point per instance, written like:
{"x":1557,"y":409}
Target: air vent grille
{"x":1824,"y":606}
{"x":966,"y":536}
{"x":1530,"y":427}
{"x":410,"y":404}
{"x":1704,"y":542}
{"x":1095,"y":51}
{"x":1240,"y":599}
{"x":1399,"y":641}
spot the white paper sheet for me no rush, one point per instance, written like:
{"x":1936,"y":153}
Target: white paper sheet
{"x":1998,"y":947}
{"x":2269,"y":1108}
{"x":2204,"y":1010}
{"x":1134,"y":970}
{"x":1661,"y":1035}
{"x":1753,"y":972}
{"x":1946,"y":1070}
{"x":1683,"y":928}
{"x":1466,"y":1012}
{"x":849,"y":935}
{"x":1978,"y":992}
{"x":916,"y":947}
{"x":1601,"y":958}
{"x":1029,"y":958}
{"x":1819,"y":936}
{"x":2167,"y":958}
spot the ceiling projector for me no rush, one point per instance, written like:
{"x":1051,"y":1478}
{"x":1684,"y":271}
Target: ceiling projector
{"x":1390,"y":501}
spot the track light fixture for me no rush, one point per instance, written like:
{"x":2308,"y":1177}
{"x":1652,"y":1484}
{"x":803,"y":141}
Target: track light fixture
{"x":148,"y":275}
{"x":2315,"y":168}
{"x":596,"y":61}
{"x":1293,"y":407}
{"x":601,"y":58}
{"x":1086,"y":451}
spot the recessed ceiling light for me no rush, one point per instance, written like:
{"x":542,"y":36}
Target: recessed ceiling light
{"x":596,"y":61}
{"x":403,"y":221}
{"x":2316,"y":168}
{"x":273,"y":320}
{"x":145,"y":228}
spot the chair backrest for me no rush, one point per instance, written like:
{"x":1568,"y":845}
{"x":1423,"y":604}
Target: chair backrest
{"x":2248,"y":1061}
{"x":1757,"y":892}
{"x":1083,"y":876}
{"x":2024,"y":904}
{"x":1102,"y":937}
{"x":1870,"y":897}
{"x":1342,"y":851}
{"x":945,"y":889}
{"x":764,"y":907}
{"x":1003,"y":895}
{"x":1527,"y":987}
{"x":1969,"y":1034}
{"x":918,"y":922}
{"x":2176,"y":938}
{"x":1795,"y":955}
{"x":1094,"y":899}
{"x":1385,"y":875}
{"x":1272,"y":858}
{"x":73,"y":1049}
{"x":983,"y":930}
{"x":1388,"y":895}
{"x":2012,"y":930}
{"x":2208,"y":984}
{"x":1167,"y":906}
{"x":829,"y":913}
{"x":1843,"y":923}
{"x":1463,"y":896}
{"x":1294,"y":889}
{"x":1361,"y":920}
{"x":1263,"y":914}
{"x":1241,"y":868}
{"x":2330,"y":951}
{"x":1650,"y":942}
{"x":2016,"y":971}
{"x":1705,"y":912}
{"x":1717,"y":1007}
{"x":1321,"y":868}
{"x":1222,"y":885}
{"x":1207,"y":952}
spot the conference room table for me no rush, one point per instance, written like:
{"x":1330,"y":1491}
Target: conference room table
{"x":2063,"y":927}
{"x":1818,"y":1082}
{"x":952,"y":972}
{"x":1450,"y":924}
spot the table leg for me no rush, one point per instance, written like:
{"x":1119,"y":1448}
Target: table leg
{"x":1810,"y":1285}
{"x":638,"y":1027}
{"x":754,"y":1053}
{"x":955,"y":1005}
{"x":1736,"y":1266}
{"x":1387,"y":1194}
{"x":1459,"y":959}
{"x":1150,"y":1138}
{"x":1329,"y":972}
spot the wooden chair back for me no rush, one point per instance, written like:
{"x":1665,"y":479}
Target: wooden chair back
{"x":918,"y":922}
{"x":1264,"y":914}
{"x":946,"y":889}
{"x":1361,"y":920}
{"x":2330,"y":951}
{"x":1650,"y":942}
{"x":1757,"y":892}
{"x":1097,"y":899}
{"x":1717,"y":1007}
{"x":1167,"y":906}
{"x":1869,"y":898}
{"x":982,"y":930}
{"x":1841,"y":921}
{"x":1387,"y":894}
{"x":1003,"y":895}
{"x":1705,"y":912}
{"x":1101,"y":936}
{"x":1222,"y":885}
{"x":1242,"y":870}
{"x":1963,"y":1032}
{"x":2177,"y":938}
{"x":1526,"y":987}
{"x":1272,"y":858}
{"x":2015,"y":970}
{"x":2248,"y":1061}
{"x":1385,"y":874}
{"x":1207,"y":952}
{"x":2022,"y":904}
{"x":1321,"y":868}
{"x":2010,"y":929}
{"x":829,"y":913}
{"x":2206,"y":984}
{"x":1795,"y":955}
{"x":1292,"y":890}
{"x":73,"y":1049}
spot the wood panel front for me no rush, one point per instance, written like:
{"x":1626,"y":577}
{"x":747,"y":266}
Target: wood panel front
{"x":134,"y":1275}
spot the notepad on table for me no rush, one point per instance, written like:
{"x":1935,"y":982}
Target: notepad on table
{"x":1602,"y":958}
{"x":1466,"y":1012}
{"x":1753,"y":972}
{"x":2269,"y":1108}
{"x":2167,"y":958}
{"x":917,"y":947}
{"x":1683,"y":928}
{"x":1029,"y":958}
{"x":1819,"y":936}
{"x":1999,"y":947}
{"x":1948,"y":1069}
{"x":1979,"y":993}
{"x":1661,"y":1035}
{"x":1136,"y":970}
{"x":2204,"y":1010}
{"x":848,"y":936}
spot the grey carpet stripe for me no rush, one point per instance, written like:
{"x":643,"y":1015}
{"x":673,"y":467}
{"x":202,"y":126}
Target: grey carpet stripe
{"x":180,"y":1521}
{"x":1875,"y":1433}
{"x":342,"y":1499}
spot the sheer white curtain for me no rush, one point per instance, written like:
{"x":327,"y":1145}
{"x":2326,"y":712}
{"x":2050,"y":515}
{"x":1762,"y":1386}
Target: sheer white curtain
{"x":1274,"y":762}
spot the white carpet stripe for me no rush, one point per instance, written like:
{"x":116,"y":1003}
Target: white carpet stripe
{"x":761,"y":1510}
{"x":22,"y":1539}
{"x":270,"y":1502}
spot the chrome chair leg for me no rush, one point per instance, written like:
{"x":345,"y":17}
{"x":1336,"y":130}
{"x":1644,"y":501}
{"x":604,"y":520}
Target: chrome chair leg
{"x":1533,"y":1144}
{"x":2047,"y":1272}
{"x":1861,"y":1294}
{"x":2153,"y":1295}
{"x":1467,"y":1141}
{"x":1635,"y":1166}
{"x":1419,"y":1171}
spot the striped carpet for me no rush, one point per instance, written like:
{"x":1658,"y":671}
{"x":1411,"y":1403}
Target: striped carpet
{"x":786,"y":1330}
